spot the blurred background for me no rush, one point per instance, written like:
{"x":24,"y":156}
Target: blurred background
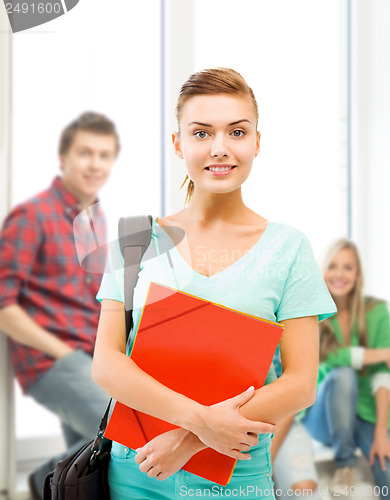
{"x":320,"y":72}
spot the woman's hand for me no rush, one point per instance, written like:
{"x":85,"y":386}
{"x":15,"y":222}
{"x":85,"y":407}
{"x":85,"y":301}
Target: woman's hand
{"x":380,"y":448}
{"x":166,"y":454}
{"x":225,"y":430}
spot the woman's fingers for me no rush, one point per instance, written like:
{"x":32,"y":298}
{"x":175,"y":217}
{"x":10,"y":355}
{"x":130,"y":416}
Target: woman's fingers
{"x":261,"y":427}
{"x":245,"y":447}
{"x":252,"y":439}
{"x":153,"y":472}
{"x":238,"y":455}
{"x":243,"y":398}
{"x":140,"y":456}
{"x":145,"y":466}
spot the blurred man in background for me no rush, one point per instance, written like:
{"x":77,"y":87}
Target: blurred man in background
{"x":47,"y":300}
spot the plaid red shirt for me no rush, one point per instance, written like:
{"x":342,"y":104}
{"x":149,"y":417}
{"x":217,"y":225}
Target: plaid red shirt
{"x":40,"y":271}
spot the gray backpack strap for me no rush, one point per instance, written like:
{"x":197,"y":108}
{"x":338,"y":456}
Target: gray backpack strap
{"x":134,"y":238}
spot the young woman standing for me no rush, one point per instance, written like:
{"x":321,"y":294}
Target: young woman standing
{"x":232,"y":256}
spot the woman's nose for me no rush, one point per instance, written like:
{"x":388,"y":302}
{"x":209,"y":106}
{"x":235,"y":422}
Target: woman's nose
{"x":219,"y":147}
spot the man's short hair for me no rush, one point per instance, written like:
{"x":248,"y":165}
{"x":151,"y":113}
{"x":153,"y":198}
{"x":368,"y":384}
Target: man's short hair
{"x":87,"y":122}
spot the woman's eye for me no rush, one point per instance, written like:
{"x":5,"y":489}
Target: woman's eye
{"x":201,"y":134}
{"x":238,"y":133}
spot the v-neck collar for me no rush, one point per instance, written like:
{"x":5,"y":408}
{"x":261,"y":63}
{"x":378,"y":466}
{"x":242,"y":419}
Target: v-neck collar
{"x":339,"y":333}
{"x":228,"y":268}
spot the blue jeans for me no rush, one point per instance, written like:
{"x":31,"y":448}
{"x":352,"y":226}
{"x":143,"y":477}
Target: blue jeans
{"x":333,"y":421}
{"x":67,"y":389}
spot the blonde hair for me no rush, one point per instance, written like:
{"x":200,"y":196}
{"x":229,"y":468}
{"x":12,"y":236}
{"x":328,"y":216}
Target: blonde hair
{"x":357,"y":307}
{"x":212,"y":81}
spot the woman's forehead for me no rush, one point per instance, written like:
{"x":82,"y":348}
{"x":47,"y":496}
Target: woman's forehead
{"x":344,"y":255}
{"x":219,"y":108}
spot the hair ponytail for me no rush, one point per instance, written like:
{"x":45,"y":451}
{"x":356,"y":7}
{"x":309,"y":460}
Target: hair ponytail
{"x":190,"y":189}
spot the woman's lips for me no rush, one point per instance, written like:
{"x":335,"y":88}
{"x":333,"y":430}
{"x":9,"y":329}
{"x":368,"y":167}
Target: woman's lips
{"x":220,"y":169}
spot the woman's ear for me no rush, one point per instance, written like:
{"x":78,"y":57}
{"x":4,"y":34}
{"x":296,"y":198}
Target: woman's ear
{"x":257,"y":150}
{"x":177,"y":145}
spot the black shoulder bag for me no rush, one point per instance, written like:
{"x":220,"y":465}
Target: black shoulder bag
{"x":83,"y":475}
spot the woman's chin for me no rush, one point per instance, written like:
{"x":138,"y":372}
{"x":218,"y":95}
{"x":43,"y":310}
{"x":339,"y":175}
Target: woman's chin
{"x":340,"y":294}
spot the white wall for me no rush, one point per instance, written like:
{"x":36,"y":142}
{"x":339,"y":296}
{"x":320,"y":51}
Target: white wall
{"x":6,"y":393}
{"x":293,"y":56}
{"x":179,"y":59}
{"x":370,"y":140}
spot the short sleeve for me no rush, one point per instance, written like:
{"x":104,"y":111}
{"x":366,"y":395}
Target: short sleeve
{"x":20,"y":241}
{"x":112,"y":285}
{"x":305,"y":292}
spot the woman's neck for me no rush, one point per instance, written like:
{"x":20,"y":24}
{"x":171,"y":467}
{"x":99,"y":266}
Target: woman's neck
{"x":343,"y":304}
{"x":206,"y":206}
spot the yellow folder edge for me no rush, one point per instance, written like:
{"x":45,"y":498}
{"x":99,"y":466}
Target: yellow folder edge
{"x":280,"y":325}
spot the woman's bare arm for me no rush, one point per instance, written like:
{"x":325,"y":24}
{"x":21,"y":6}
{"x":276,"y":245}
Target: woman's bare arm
{"x":373,"y":356}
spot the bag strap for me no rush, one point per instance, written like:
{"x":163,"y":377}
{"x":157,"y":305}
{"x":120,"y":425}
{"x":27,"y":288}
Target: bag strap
{"x":134,"y":235}
{"x":134,"y":238}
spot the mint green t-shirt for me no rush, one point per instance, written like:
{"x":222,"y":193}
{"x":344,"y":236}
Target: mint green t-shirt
{"x":277,"y":279}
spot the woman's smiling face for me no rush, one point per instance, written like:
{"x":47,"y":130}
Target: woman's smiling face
{"x":218,"y":141}
{"x":342,"y":273}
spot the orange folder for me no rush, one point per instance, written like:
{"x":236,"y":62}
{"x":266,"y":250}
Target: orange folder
{"x":203,"y":350}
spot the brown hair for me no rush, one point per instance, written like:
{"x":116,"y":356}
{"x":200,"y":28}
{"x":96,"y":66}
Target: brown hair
{"x":88,"y":122}
{"x":357,"y":307}
{"x":212,"y":82}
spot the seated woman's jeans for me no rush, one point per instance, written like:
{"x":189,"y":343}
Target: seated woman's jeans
{"x":333,"y":421}
{"x":332,"y":418}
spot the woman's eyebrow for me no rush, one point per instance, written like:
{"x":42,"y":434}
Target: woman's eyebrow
{"x":208,"y":125}
{"x":199,"y":123}
{"x":239,"y":121}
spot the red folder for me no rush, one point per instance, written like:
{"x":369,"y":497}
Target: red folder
{"x":203,"y":350}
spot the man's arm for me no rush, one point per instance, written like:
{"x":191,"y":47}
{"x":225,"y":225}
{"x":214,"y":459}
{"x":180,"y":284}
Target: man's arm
{"x":19,"y":326}
{"x":20,"y":240}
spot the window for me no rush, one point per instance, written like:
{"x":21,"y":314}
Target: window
{"x":101,"y":57}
